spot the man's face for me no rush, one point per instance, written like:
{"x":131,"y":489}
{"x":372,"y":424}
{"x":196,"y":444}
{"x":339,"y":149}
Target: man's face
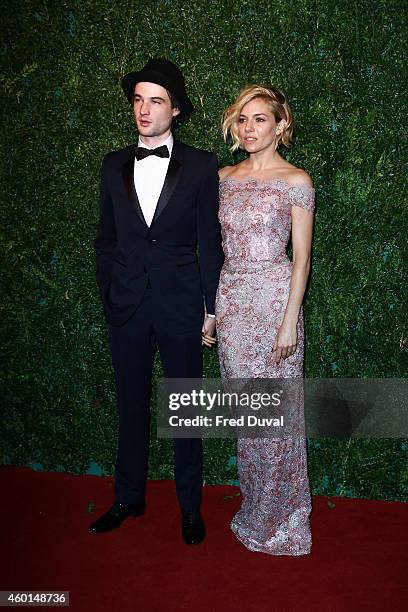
{"x":152,"y":109}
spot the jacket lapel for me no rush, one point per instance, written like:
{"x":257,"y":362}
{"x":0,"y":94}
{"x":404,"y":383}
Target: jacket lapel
{"x":172,"y":178}
{"x":128,"y":179}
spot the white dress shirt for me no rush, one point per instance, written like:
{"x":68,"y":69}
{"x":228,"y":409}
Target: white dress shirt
{"x":149,"y":175}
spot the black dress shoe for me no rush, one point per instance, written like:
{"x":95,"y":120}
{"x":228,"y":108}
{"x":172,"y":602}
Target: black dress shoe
{"x":192,"y":527}
{"x":115,"y":516}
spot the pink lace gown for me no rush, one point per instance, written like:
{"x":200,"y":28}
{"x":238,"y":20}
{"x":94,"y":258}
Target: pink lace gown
{"x":255,"y":217}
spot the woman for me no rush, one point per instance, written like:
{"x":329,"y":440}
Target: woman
{"x":263,"y":200}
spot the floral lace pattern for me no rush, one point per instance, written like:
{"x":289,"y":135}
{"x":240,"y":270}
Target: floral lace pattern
{"x":255,"y":219}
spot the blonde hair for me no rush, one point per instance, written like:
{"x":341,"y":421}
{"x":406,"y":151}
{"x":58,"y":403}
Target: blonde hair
{"x":278,"y":104}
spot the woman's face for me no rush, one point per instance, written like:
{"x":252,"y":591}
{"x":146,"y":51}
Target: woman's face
{"x":257,"y":126}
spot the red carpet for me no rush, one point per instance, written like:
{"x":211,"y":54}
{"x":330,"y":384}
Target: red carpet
{"x":358,"y":559}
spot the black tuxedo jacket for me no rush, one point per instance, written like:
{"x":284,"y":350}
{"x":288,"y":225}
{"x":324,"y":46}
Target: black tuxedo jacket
{"x":129,"y":253}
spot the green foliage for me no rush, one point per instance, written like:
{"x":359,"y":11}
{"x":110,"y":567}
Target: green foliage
{"x":343,"y":66}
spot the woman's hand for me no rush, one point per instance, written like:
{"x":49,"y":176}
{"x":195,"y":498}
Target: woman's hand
{"x":285,"y":342}
{"x":208,"y":332}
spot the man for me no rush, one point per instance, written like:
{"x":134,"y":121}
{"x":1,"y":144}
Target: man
{"x":159,"y":201}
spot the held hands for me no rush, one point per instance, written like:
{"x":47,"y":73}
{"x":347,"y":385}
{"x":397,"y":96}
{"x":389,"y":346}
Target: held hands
{"x":208,"y":332}
{"x":285,"y":343}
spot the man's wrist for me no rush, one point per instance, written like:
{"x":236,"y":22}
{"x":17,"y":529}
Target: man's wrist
{"x":212,"y":316}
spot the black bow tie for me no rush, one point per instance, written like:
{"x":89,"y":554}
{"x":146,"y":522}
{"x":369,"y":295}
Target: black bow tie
{"x":142,"y":152}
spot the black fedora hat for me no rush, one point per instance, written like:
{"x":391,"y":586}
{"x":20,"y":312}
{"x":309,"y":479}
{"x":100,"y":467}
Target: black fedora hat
{"x":164,"y":73}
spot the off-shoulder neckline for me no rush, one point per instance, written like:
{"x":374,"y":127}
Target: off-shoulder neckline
{"x":270,"y":180}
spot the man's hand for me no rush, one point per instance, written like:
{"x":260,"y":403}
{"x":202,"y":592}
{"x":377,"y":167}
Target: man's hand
{"x":208,"y":332}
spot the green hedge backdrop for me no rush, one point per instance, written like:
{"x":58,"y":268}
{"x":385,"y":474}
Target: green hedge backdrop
{"x":343,"y":65}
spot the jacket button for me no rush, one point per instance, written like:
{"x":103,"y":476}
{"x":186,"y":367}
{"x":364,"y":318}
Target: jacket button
{"x":153,"y":240}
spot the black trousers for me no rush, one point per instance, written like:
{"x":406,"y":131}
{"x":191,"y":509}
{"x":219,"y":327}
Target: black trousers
{"x":133,"y":348}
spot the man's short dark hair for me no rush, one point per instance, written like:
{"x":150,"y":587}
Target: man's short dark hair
{"x":173,"y":100}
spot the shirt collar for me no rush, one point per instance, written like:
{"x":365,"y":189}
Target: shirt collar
{"x":168,"y":143}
